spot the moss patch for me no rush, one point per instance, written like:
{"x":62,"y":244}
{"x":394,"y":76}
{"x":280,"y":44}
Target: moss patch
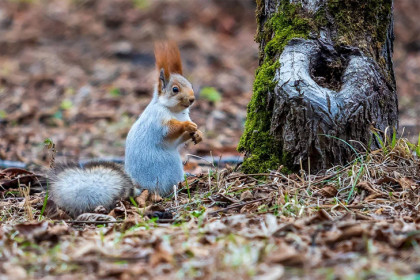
{"x":364,"y":23}
{"x":358,"y":23}
{"x":262,"y":151}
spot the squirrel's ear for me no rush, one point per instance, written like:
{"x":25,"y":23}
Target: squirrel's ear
{"x":162,"y":80}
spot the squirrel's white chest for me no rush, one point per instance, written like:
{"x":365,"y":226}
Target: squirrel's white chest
{"x":182,"y":116}
{"x":167,"y":115}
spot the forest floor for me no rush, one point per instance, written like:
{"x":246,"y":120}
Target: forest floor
{"x":80,"y":72}
{"x":359,"y":221}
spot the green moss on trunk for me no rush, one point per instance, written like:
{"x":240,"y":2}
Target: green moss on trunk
{"x":363,"y":24}
{"x":263,"y":152}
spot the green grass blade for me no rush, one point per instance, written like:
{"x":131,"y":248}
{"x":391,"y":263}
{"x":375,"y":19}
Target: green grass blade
{"x":353,"y":187}
{"x":359,"y":157}
{"x":394,"y":139}
{"x":188,"y":187}
{"x":133,"y":201}
{"x":44,"y":205}
{"x":418,"y":147}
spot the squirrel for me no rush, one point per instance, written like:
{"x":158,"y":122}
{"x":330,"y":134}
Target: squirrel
{"x":152,"y":158}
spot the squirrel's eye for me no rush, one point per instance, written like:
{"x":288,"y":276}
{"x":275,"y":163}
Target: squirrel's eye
{"x":175,"y":89}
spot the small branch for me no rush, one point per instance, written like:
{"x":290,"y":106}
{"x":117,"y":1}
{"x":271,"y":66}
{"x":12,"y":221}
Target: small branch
{"x":92,"y":222}
{"x":160,"y":221}
{"x":238,"y":205}
{"x":9,"y":164}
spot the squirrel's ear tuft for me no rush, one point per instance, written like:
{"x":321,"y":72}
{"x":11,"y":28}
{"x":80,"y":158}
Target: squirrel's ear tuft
{"x":174,"y":58}
{"x":161,"y":59}
{"x":168,"y":60}
{"x":162,"y":80}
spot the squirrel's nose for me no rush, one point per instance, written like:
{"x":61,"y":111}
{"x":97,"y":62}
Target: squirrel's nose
{"x":192,"y":99}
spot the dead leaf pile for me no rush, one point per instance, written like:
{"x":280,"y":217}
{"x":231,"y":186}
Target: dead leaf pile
{"x":225,"y":224}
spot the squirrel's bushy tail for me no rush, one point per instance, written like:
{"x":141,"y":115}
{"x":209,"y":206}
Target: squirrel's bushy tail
{"x":78,"y":190}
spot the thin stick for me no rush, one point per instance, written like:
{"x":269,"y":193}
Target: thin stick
{"x":92,"y":222}
{"x":238,"y":205}
{"x":119,"y":221}
{"x":175,"y":196}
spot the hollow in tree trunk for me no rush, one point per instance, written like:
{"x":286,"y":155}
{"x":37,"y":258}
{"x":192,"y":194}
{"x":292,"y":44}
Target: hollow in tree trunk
{"x":325,"y":85}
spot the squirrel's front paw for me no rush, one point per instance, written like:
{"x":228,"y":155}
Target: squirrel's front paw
{"x":190,"y":127}
{"x":197,"y":137}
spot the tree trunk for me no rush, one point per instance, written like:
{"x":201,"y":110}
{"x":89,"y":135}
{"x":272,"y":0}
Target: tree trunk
{"x":325,"y":86}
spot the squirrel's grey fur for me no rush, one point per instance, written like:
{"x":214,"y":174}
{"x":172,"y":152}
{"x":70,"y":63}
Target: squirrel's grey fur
{"x":152,"y":159}
{"x":152,"y":162}
{"x":78,"y":190}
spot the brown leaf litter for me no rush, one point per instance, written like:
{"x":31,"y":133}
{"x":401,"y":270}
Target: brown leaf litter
{"x":351,"y":221}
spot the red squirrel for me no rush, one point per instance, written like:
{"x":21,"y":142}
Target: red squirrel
{"x":152,"y":159}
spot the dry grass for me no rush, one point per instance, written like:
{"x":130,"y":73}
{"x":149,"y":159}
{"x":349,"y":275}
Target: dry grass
{"x":358,"y":221}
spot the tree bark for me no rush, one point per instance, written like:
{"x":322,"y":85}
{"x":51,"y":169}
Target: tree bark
{"x":325,"y":86}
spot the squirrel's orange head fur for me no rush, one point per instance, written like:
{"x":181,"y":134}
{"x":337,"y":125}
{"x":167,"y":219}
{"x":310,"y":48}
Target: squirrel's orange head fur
{"x":174,"y":90}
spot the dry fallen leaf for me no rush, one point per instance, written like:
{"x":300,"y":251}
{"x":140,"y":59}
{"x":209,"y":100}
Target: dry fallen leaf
{"x":364,"y":185}
{"x":408,"y":184}
{"x":155,"y":198}
{"x":327,"y":191}
{"x":13,"y":178}
{"x":246,"y":196}
{"x":54,"y":213}
{"x":14,"y":271}
{"x":142,"y":198}
{"x":160,"y":255}
{"x":286,"y":255}
{"x":272,"y":272}
{"x":94,"y":217}
{"x":32,"y":230}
